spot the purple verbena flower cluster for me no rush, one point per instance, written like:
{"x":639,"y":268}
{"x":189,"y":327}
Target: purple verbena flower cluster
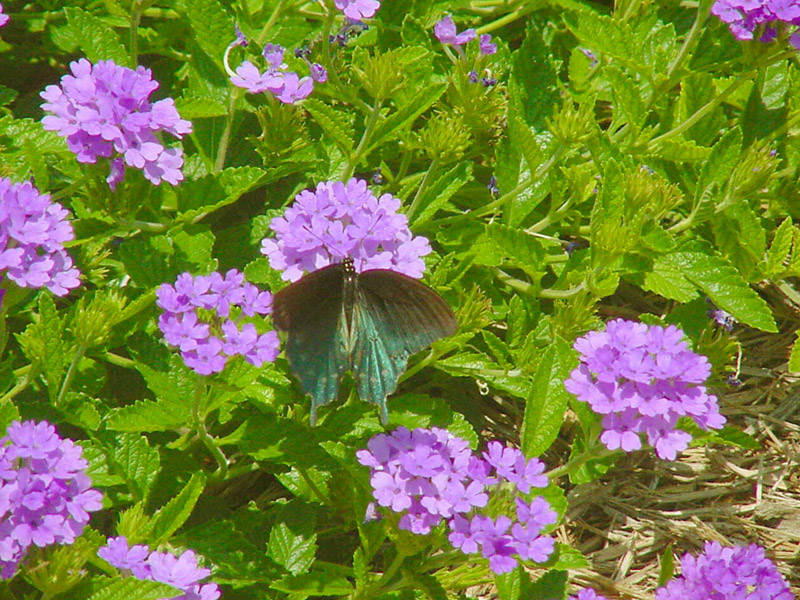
{"x":104,"y":110}
{"x":286,"y":86}
{"x":3,"y":17}
{"x":643,"y":379}
{"x":338,"y":220}
{"x":738,"y":573}
{"x":202,"y":317}
{"x":431,"y":476}
{"x":358,"y":9}
{"x":45,"y":494}
{"x":33,"y":231}
{"x":446,"y":32}
{"x":180,"y":572}
{"x":587,"y":594}
{"x":747,"y":17}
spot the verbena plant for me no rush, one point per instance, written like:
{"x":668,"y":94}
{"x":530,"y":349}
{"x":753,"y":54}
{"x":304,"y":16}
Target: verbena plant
{"x":544,"y":166}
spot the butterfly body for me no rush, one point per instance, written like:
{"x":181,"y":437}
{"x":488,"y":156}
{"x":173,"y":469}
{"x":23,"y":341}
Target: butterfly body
{"x":369,"y":323}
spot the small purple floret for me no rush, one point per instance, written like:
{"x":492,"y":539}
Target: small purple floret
{"x":180,"y":572}
{"x":337,"y":220}
{"x":590,"y":594}
{"x":286,"y":86}
{"x":104,"y":111}
{"x":45,"y":494}
{"x":358,"y":9}
{"x":33,"y":231}
{"x":745,"y":17}
{"x":3,"y":17}
{"x":486,"y":45}
{"x":430,"y":476}
{"x":727,"y":574}
{"x":642,"y":379}
{"x":202,"y":316}
{"x":446,"y":32}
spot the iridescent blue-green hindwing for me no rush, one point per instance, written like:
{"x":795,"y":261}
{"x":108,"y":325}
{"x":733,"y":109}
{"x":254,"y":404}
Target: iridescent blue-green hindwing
{"x":311,"y":312}
{"x":394,"y":317}
{"x":369,"y":323}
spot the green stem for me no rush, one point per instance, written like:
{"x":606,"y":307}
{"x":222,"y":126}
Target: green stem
{"x":356,"y":156}
{"x":236,"y":94}
{"x":136,"y":17}
{"x":118,"y":361}
{"x":149,"y":227}
{"x":523,"y":185}
{"x":374,"y":590}
{"x":70,"y":189}
{"x":313,"y":486}
{"x":551,"y":218}
{"x":563,"y":294}
{"x":689,"y":43}
{"x":202,"y":432}
{"x":718,"y":99}
{"x":20,"y":387}
{"x":706,"y":109}
{"x":509,"y":18}
{"x":422,"y":186}
{"x":596,"y":451}
{"x":327,"y":27}
{"x":73,"y":367}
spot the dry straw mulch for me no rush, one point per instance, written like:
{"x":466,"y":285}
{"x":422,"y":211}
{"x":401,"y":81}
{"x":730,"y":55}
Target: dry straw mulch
{"x":624,"y":521}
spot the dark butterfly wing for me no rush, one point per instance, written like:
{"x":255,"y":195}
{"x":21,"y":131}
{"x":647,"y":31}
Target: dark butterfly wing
{"x":394,"y":317}
{"x":310,"y":311}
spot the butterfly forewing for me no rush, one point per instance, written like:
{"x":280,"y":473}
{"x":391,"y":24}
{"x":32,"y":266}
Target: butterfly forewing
{"x":395,"y":316}
{"x":310,"y":311}
{"x":391,"y":316}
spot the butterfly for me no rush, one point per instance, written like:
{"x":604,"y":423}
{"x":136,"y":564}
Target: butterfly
{"x":368,"y":323}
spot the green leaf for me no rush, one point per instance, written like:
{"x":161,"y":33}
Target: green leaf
{"x":440,"y":191}
{"x":138,"y":463}
{"x":545,"y":407}
{"x":224,"y":543}
{"x":628,"y":103}
{"x":780,"y":248}
{"x":207,"y":194}
{"x":337,"y":124}
{"x":509,"y":585}
{"x":292,"y":541}
{"x":518,"y":247}
{"x":95,"y":38}
{"x":696,"y":91}
{"x":174,"y":392}
{"x":315,"y":583}
{"x":148,"y":415}
{"x":726,"y":435}
{"x":666,"y":567}
{"x":404,"y":117}
{"x":533,"y":82}
{"x":569,"y":558}
{"x":721,"y":162}
{"x":51,"y":331}
{"x":213,"y":27}
{"x":193,"y":107}
{"x":175,"y":512}
{"x":553,"y":584}
{"x":667,"y":280}
{"x":723,"y":284}
{"x":794,"y":357}
{"x":741,"y":238}
{"x":678,"y":150}
{"x":132,"y":588}
{"x":496,"y":347}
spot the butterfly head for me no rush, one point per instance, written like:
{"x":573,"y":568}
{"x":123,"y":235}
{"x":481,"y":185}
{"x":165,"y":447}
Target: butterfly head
{"x":349,"y":266}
